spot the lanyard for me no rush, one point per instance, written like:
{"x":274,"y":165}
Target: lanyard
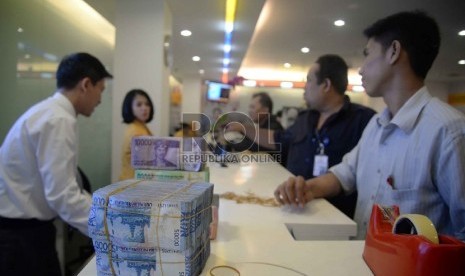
{"x":322,"y":141}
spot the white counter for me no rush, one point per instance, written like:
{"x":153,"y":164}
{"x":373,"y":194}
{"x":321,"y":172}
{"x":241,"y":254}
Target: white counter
{"x":256,"y":239}
{"x":318,"y":220}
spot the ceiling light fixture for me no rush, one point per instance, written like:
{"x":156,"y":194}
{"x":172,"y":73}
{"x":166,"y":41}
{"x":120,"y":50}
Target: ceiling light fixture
{"x":286,"y":84}
{"x":462,"y":62}
{"x":354,"y":77}
{"x":462,"y":33}
{"x":267,"y":74}
{"x":357,"y":88}
{"x":50,"y":57}
{"x":186,"y":33}
{"x":287,"y":65}
{"x":229,"y":27}
{"x":201,"y":71}
{"x":196,"y":58}
{"x":20,"y":30}
{"x":305,"y":50}
{"x":230,"y":13}
{"x":339,"y":23}
{"x":249,"y":83}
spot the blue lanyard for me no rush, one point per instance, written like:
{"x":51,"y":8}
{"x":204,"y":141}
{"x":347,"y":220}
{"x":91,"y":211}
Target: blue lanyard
{"x":322,"y":143}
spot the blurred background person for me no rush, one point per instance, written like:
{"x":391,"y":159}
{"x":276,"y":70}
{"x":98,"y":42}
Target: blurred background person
{"x":260,"y":112}
{"x":289,"y":116}
{"x":279,"y":117}
{"x":137,"y":111}
{"x":185,"y":130}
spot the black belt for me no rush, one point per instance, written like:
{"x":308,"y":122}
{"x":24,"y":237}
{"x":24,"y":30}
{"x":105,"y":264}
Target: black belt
{"x":13,"y":223}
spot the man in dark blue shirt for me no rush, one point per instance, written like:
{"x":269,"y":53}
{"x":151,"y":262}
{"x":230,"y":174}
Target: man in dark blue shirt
{"x":331,"y":127}
{"x":322,"y":134}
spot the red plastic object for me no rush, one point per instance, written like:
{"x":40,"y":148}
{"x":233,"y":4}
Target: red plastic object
{"x":400,"y":254}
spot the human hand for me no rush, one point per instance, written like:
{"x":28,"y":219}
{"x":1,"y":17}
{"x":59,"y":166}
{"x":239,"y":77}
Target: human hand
{"x":294,"y":191}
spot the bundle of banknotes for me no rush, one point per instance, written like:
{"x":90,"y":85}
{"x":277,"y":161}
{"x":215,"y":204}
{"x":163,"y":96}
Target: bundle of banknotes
{"x":166,"y":153}
{"x":151,"y":228}
{"x":175,"y":175}
{"x":128,"y":261}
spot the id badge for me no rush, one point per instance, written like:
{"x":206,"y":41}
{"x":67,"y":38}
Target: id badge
{"x":320,"y":165}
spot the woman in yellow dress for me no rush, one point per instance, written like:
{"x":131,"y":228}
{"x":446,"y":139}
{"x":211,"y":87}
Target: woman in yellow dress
{"x":137,"y":112}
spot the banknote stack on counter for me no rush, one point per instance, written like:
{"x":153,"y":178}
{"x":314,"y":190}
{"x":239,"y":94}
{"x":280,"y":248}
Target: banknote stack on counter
{"x":144,"y":227}
{"x":167,"y":175}
{"x":166,"y":153}
{"x":171,"y":159}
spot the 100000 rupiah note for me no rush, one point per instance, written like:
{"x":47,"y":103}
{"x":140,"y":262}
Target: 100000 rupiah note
{"x":166,"y":153}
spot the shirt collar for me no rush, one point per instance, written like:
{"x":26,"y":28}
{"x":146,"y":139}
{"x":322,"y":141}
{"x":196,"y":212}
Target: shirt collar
{"x":346,"y":106}
{"x":65,"y":103}
{"x":408,"y":114}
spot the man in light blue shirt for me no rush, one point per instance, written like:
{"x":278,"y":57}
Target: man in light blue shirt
{"x":413,"y":153}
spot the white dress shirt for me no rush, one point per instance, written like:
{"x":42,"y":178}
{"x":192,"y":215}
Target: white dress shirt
{"x":38,"y":162}
{"x":415,"y":160}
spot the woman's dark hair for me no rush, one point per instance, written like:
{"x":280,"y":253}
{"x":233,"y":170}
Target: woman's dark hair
{"x":128,"y":115}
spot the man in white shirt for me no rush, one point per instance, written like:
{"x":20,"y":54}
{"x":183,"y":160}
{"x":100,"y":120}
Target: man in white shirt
{"x":412,"y":154}
{"x":38,"y":166}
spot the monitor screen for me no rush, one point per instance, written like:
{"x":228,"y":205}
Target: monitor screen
{"x":217,"y":91}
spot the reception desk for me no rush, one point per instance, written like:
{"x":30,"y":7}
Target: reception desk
{"x":260,"y":240}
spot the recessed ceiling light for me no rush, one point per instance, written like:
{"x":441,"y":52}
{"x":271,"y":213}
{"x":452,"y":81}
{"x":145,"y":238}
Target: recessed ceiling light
{"x":249,"y":83}
{"x":229,"y":27}
{"x":20,"y":30}
{"x":46,"y":75}
{"x":227,"y":48}
{"x":339,"y":23}
{"x":226,"y":61}
{"x":50,"y":57}
{"x":462,"y":61}
{"x":358,"y":88}
{"x":201,"y":71}
{"x":186,"y":33}
{"x":287,"y":65}
{"x":286,"y":84}
{"x":305,"y":50}
{"x":462,"y":33}
{"x":195,"y":58}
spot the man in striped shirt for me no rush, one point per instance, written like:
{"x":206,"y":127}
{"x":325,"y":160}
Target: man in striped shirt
{"x":412,"y":154}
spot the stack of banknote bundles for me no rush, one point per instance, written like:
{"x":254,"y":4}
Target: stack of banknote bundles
{"x":175,"y":175}
{"x":166,"y":153}
{"x":151,"y":228}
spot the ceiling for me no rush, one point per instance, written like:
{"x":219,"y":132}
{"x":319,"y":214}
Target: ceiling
{"x":269,"y":33}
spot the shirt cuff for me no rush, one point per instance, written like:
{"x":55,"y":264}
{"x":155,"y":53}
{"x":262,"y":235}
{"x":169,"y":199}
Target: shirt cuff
{"x":345,"y":177}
